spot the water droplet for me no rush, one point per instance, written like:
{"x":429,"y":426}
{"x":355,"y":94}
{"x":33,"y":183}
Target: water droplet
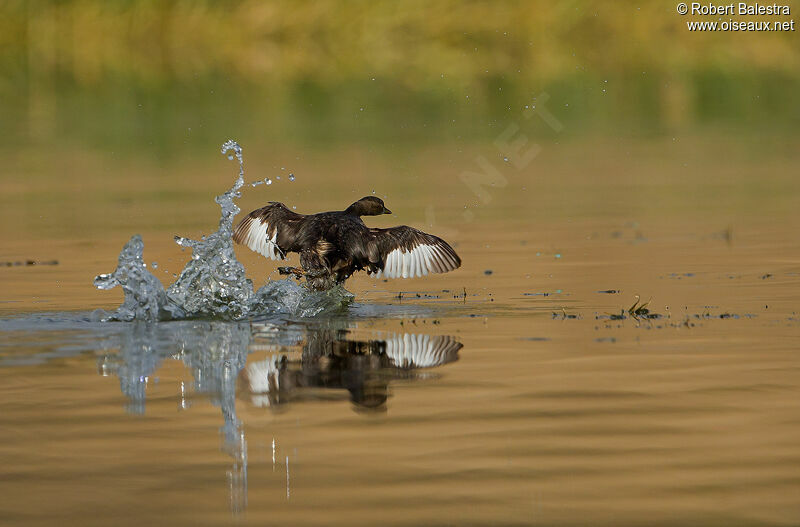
{"x":361,"y":109}
{"x":230,"y":157}
{"x":291,"y":177}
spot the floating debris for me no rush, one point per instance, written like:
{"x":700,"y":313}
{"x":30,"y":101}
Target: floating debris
{"x":637,"y":311}
{"x":563,"y":315}
{"x":610,"y":291}
{"x":28,"y":263}
{"x":546,"y":293}
{"x":723,"y":316}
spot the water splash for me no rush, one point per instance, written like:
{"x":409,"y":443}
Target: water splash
{"x":145,"y":298}
{"x":213,"y":283}
{"x":290,"y":298}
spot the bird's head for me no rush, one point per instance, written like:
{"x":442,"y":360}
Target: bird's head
{"x":368,"y":206}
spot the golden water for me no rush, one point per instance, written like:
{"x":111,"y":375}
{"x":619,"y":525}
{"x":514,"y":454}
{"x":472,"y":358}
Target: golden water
{"x":552,"y":414}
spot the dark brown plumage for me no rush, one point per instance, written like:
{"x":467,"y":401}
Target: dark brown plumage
{"x":334,"y":245}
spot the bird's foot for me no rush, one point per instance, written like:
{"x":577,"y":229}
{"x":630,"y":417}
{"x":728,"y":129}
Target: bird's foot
{"x":297,"y":273}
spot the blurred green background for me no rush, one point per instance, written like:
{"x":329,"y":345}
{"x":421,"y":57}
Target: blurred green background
{"x":161,"y":76}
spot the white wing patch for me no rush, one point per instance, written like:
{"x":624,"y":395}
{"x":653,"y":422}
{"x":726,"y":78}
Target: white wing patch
{"x":421,"y":351}
{"x":419,"y":261}
{"x":254,"y":234}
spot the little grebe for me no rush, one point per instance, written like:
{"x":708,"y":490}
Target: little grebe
{"x":334,"y":245}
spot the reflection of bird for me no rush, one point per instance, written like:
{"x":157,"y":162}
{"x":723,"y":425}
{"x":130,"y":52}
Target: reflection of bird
{"x":362,"y":368}
{"x":333,"y":245}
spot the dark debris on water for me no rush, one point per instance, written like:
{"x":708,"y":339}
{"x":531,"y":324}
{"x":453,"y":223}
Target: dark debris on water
{"x":28,"y":263}
{"x":637,"y":311}
{"x":563,"y":315}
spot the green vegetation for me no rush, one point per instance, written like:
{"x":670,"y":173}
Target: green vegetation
{"x":133,"y":73}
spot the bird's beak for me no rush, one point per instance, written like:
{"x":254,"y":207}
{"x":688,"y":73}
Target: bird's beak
{"x":386,"y":211}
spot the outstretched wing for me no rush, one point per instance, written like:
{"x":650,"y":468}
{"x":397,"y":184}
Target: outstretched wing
{"x":404,"y":252}
{"x":270,"y":230}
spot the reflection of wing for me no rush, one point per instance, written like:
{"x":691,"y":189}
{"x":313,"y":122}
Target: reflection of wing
{"x":421,"y":351}
{"x":269,"y":230}
{"x":264,"y":376}
{"x":404,"y":252}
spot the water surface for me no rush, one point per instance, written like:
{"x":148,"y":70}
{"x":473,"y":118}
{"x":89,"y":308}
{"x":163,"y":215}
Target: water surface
{"x":516,"y":390}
